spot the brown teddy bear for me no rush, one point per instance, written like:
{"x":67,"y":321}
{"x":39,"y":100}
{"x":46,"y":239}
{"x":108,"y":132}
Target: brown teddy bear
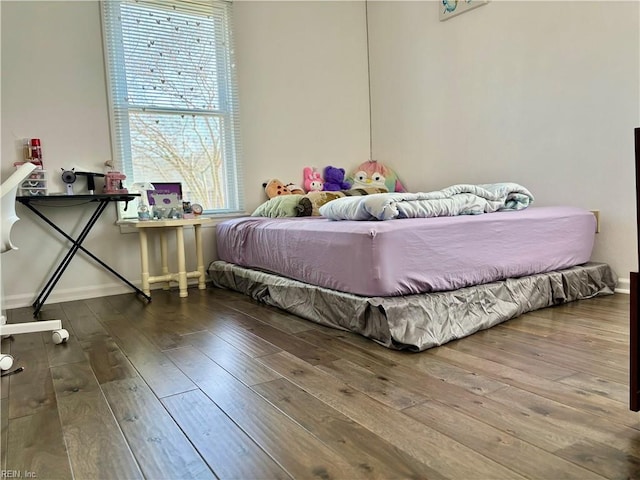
{"x":275,"y":188}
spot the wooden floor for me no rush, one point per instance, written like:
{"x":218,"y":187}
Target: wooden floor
{"x":215,"y":385}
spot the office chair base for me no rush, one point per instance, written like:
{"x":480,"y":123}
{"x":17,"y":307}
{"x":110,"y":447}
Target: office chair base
{"x":6,"y":361}
{"x":59,"y":336}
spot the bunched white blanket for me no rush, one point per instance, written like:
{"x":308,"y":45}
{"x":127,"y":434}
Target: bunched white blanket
{"x":460,"y":199}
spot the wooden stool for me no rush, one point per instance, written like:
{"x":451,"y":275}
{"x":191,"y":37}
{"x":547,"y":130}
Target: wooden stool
{"x":182,"y":275}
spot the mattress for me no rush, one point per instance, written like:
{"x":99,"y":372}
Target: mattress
{"x":410,"y":256}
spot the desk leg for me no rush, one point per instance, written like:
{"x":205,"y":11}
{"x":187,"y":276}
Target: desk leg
{"x":76,"y":245}
{"x":199,"y":257}
{"x":182,"y":267}
{"x":164,"y":256}
{"x":144,"y":261}
{"x":62,"y":266}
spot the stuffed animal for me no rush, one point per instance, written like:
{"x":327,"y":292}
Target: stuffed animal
{"x":312,"y":180}
{"x":295,"y":189}
{"x":295,"y":205}
{"x":275,"y":188}
{"x":334,"y":179}
{"x":310,"y":203}
{"x":282,"y":206}
{"x":374,"y":174}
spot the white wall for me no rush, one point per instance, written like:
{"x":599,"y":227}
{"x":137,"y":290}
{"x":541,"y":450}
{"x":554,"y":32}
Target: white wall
{"x":541,"y":93}
{"x":53,"y":88}
{"x":303,"y":98}
{"x":545,"y":94}
{"x":302,"y":71}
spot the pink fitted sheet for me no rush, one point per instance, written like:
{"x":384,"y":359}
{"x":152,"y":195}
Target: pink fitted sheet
{"x":409,"y":256}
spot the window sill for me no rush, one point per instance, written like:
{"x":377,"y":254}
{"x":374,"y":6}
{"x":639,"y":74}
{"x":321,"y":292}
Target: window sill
{"x":126,"y":223}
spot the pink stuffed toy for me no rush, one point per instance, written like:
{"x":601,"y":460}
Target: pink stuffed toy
{"x":375,"y":174}
{"x":312,"y":180}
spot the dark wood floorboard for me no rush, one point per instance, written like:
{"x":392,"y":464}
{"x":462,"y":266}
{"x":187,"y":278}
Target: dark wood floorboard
{"x":95,"y":443}
{"x":36,"y":444}
{"x":296,"y":449}
{"x":159,"y":446}
{"x":217,"y":386}
{"x":226,"y":448}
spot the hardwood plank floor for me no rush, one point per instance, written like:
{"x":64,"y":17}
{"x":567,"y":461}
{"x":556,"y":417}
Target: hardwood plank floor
{"x":217,"y":386}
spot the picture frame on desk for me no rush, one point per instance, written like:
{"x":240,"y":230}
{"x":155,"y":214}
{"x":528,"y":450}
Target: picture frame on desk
{"x":163,"y":190}
{"x":165,"y":199}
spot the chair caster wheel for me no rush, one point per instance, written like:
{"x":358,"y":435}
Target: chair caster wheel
{"x":6,"y":361}
{"x":60,"y":336}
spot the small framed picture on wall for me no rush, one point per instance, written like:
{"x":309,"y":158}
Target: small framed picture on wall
{"x":451,"y":8}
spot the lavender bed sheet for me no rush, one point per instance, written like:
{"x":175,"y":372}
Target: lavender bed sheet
{"x":410,"y":256}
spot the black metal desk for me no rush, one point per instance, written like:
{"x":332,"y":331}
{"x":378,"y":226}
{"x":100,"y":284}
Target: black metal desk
{"x":101,"y":201}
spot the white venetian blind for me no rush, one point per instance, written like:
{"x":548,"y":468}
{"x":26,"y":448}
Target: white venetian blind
{"x":173,"y":96}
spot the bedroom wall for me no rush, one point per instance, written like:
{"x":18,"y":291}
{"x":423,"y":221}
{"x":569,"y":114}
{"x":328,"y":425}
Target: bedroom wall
{"x":540,"y":93}
{"x":302,"y":70}
{"x":53,"y":88}
{"x":303,"y":77}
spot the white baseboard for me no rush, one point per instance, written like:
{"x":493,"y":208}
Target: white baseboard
{"x":624,"y":286}
{"x":66,"y":295}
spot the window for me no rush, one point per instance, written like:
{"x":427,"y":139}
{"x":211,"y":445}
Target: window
{"x":173,"y":98}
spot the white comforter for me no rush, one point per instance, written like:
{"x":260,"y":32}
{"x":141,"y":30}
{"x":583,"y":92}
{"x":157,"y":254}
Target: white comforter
{"x":460,"y":199}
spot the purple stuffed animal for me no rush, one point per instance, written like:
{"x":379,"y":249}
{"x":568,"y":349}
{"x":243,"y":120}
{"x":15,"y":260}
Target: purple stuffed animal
{"x":334,"y":179}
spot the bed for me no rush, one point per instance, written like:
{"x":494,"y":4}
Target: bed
{"x":413,"y":283}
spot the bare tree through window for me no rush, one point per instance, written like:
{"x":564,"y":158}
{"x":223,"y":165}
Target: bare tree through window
{"x":177,"y":96}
